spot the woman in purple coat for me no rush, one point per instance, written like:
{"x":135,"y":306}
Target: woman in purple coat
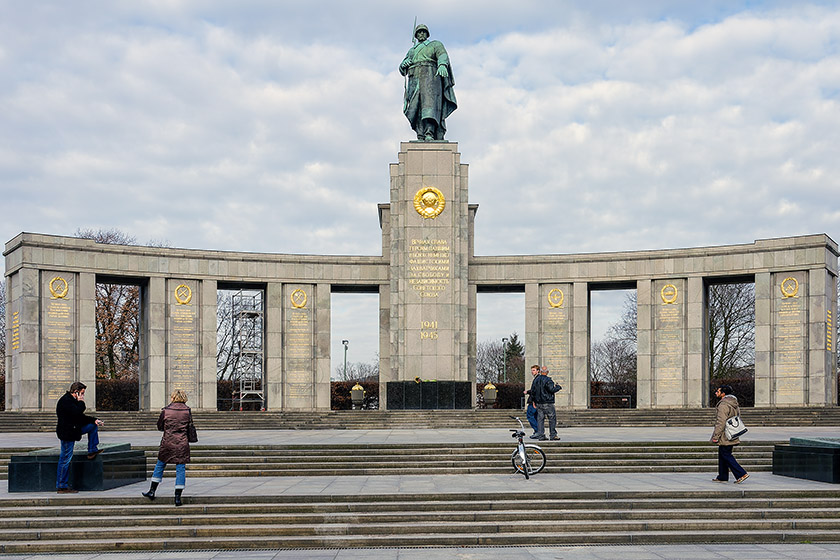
{"x":174,"y":445}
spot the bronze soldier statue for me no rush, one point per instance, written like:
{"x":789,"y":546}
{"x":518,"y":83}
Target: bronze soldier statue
{"x":429,"y":93}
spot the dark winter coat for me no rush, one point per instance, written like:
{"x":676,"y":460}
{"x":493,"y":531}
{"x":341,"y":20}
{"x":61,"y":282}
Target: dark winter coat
{"x":173,"y":421}
{"x":543,"y":389}
{"x":71,"y":418}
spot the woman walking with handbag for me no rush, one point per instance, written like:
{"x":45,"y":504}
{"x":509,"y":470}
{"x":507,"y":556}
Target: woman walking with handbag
{"x":175,"y":422}
{"x":727,"y":408}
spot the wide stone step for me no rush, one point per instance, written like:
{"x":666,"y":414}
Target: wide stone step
{"x":338,"y":460}
{"x":416,"y":419}
{"x":49,"y":525}
{"x":470,"y":527}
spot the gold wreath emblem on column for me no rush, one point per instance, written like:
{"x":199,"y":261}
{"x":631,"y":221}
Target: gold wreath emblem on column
{"x":298,"y":298}
{"x":429,"y":202}
{"x":183,"y":294}
{"x":790,"y":287}
{"x":59,"y":287}
{"x":668,"y":293}
{"x":555,"y":298}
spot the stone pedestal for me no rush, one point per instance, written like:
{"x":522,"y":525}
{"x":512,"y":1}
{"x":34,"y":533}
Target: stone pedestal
{"x":117,"y":465}
{"x":809,"y":458}
{"x":429,"y":251}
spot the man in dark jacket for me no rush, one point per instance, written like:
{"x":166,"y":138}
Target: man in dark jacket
{"x":543,"y":389}
{"x":72,"y":423}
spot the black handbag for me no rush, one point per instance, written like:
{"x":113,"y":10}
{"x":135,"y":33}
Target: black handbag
{"x":192,"y":435}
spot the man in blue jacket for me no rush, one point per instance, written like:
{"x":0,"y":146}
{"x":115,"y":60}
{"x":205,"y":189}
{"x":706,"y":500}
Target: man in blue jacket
{"x":543,"y":389}
{"x":72,"y":423}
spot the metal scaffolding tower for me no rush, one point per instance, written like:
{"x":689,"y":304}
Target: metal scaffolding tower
{"x":248,"y":326}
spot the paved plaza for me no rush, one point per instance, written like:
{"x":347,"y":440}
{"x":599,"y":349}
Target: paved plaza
{"x":443,"y":483}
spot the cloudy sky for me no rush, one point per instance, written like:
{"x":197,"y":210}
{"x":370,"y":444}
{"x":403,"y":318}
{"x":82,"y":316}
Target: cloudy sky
{"x":269,"y":125}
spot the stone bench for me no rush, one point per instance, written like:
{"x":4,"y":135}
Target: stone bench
{"x":809,"y":458}
{"x":117,"y":465}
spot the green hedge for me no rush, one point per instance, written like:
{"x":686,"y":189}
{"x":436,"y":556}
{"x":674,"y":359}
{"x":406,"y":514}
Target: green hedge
{"x":117,"y":394}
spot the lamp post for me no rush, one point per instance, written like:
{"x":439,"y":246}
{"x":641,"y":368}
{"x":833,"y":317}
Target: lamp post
{"x":504,"y":359}
{"x":346,"y":343}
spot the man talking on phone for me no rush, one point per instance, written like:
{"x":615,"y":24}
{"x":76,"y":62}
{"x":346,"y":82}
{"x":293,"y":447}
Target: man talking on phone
{"x":72,"y":423}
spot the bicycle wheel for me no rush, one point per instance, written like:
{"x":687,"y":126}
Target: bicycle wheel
{"x":536,"y":460}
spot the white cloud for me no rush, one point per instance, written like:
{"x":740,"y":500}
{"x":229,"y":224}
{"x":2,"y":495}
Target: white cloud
{"x":266,"y":127}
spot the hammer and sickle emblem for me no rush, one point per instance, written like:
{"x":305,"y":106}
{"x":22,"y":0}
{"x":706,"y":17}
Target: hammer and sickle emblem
{"x":790,"y":287}
{"x":298,"y":298}
{"x":183,"y":294}
{"x":555,"y":298}
{"x":429,"y":202}
{"x":668,"y":293}
{"x":59,"y":288}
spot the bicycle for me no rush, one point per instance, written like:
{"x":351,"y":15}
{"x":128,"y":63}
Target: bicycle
{"x":527,"y":459}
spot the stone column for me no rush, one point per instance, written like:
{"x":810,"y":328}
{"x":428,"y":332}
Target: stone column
{"x":323,"y":300}
{"x":556,"y":315}
{"x":153,"y":372}
{"x":207,"y":357}
{"x":274,"y":346}
{"x":763,"y":339}
{"x":86,"y":347}
{"x":644,"y":344}
{"x":59,"y":335}
{"x":697,"y":379}
{"x":429,"y":256}
{"x":669,"y":343}
{"x":183,"y":356}
{"x":23,"y":343}
{"x":789,"y":360}
{"x":822,"y":301}
{"x":579,"y":386}
{"x":533,"y":325}
{"x":299,"y":346}
{"x":385,"y":371}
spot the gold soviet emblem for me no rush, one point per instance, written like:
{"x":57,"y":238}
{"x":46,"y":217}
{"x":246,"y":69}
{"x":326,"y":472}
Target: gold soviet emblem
{"x":790,"y":287}
{"x":429,"y":202}
{"x":298,"y":298}
{"x":668,"y":293}
{"x":59,"y":287}
{"x":183,"y":294}
{"x":555,"y":298}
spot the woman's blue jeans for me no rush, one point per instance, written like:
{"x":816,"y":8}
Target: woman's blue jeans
{"x":180,"y":474}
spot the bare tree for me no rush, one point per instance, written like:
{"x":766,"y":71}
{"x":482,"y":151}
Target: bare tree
{"x":117,"y":316}
{"x":226,"y":357}
{"x":613,"y":361}
{"x":626,"y":329}
{"x":495,"y":362}
{"x":117,"y":331}
{"x":489,"y":361}
{"x":731,"y":329}
{"x":358,"y":371}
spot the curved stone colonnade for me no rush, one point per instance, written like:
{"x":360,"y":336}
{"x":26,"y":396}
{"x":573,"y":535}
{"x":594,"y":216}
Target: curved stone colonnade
{"x":427,"y":280}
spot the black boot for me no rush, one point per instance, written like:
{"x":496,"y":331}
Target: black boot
{"x":151,"y":493}
{"x":178,"y":496}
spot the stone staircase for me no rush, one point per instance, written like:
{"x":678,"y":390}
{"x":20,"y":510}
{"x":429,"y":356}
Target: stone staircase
{"x":474,"y":458}
{"x":108,"y":524}
{"x":431,"y":419}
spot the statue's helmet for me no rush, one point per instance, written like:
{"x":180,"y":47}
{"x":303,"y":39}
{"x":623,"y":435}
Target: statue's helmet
{"x":421,"y":27}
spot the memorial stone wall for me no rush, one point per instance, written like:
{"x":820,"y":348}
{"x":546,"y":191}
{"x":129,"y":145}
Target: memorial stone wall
{"x":427,"y":279}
